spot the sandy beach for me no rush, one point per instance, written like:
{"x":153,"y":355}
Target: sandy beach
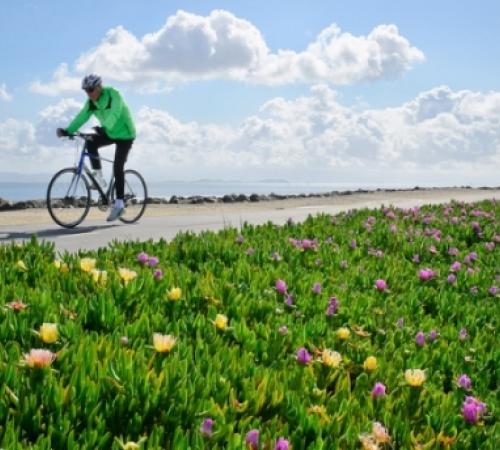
{"x":413,"y":197}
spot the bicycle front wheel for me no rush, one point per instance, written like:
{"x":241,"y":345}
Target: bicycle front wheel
{"x":135,"y":196}
{"x":68,"y":197}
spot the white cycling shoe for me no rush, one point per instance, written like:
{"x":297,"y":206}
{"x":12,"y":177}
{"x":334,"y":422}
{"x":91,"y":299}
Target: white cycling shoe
{"x":115,"y":213}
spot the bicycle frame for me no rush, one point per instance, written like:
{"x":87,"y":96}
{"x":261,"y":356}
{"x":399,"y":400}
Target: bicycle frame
{"x":82,"y":167}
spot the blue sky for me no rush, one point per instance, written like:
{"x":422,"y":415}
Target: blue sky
{"x":446,"y":57}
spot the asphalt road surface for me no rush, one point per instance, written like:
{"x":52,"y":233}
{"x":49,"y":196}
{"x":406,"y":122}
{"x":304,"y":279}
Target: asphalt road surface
{"x":166,"y":221}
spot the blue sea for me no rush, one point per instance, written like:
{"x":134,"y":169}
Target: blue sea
{"x":18,"y":191}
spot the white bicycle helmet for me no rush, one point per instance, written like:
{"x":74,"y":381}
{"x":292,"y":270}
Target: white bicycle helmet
{"x":91,"y":81}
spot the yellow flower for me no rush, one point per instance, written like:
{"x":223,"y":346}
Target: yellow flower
{"x":415,"y":377}
{"x":368,"y":442}
{"x":87,"y":264}
{"x":370,"y":363}
{"x":343,"y":333}
{"x":126,"y":274}
{"x":20,"y":265}
{"x":330,"y":358}
{"x":48,"y":333}
{"x":38,"y":358}
{"x":62,"y":266}
{"x":221,"y":321}
{"x":163,"y":343}
{"x":99,"y":275}
{"x":130,"y":445}
{"x":174,"y":293}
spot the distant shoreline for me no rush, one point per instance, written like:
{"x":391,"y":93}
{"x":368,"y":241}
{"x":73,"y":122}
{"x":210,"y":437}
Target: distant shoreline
{"x":6,"y":205}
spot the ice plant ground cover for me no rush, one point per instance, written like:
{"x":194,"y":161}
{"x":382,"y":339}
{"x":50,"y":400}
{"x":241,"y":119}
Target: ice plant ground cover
{"x":371,"y":329}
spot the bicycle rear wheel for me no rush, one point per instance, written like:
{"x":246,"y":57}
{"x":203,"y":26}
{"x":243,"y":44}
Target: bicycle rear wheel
{"x":135,"y":198}
{"x":68,"y":198}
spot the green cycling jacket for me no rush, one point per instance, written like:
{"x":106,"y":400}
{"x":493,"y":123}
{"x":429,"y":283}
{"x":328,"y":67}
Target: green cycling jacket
{"x":112,"y":113}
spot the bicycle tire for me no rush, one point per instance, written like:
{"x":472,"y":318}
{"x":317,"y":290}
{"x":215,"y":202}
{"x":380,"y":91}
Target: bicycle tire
{"x":136,"y":195}
{"x":62,"y":208}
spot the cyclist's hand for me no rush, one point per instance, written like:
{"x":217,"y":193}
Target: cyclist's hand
{"x":61,"y":132}
{"x":99,"y":131}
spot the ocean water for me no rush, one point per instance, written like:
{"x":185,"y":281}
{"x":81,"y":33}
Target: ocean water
{"x":18,"y":191}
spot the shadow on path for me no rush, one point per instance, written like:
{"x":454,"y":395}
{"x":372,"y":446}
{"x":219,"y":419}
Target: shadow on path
{"x":51,"y":232}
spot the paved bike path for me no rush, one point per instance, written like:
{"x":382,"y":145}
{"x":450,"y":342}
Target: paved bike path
{"x":95,"y":233}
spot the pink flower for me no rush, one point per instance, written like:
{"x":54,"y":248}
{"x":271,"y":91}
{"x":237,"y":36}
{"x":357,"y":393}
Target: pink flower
{"x":451,"y":278}
{"x":493,"y":290}
{"x":206,"y":427}
{"x":463,"y":335}
{"x":473,"y":409}
{"x":464,"y":382}
{"x":252,"y":439}
{"x":378,"y":390}
{"x":455,"y":267}
{"x":143,"y":257}
{"x":158,"y":274}
{"x":153,"y":261}
{"x":381,"y":285}
{"x":420,"y":339}
{"x":282,"y":444}
{"x":426,"y":274}
{"x":281,"y":286}
{"x":316,"y":288}
{"x":333,"y":305}
{"x":303,"y":356}
{"x":432,"y":336}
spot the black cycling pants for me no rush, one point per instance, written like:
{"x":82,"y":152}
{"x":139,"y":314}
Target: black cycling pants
{"x":122,"y":148}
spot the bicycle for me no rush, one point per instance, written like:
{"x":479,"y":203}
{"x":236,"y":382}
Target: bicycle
{"x":69,"y":195}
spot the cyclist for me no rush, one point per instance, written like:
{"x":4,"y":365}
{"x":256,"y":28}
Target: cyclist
{"x":117,"y":127}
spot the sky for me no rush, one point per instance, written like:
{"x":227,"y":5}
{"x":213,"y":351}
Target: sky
{"x":358,"y":91}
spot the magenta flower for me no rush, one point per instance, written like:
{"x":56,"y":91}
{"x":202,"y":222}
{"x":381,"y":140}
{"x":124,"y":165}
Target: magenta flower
{"x":143,"y":257}
{"x":252,"y":439}
{"x":282,"y":444}
{"x":426,"y":274}
{"x":451,"y":279}
{"x":455,"y":267}
{"x":303,"y":356}
{"x":206,"y":427}
{"x":378,"y":390}
{"x":432,"y":336}
{"x":420,"y":339}
{"x":158,"y":274}
{"x":280,"y":286}
{"x":493,"y":290}
{"x":353,"y":244}
{"x":473,"y":409}
{"x":464,"y":382}
{"x":333,"y":305}
{"x":289,"y":300}
{"x":453,"y":251}
{"x":381,"y":285}
{"x":153,"y":261}
{"x":316,"y":288}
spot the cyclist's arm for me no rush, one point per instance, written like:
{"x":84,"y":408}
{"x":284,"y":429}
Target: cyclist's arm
{"x":79,"y":119}
{"x":115,"y":110}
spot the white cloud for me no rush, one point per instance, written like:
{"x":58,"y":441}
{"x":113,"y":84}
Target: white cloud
{"x":62,"y":82}
{"x":223,"y":46}
{"x":4,"y":95}
{"x":440,"y":137}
